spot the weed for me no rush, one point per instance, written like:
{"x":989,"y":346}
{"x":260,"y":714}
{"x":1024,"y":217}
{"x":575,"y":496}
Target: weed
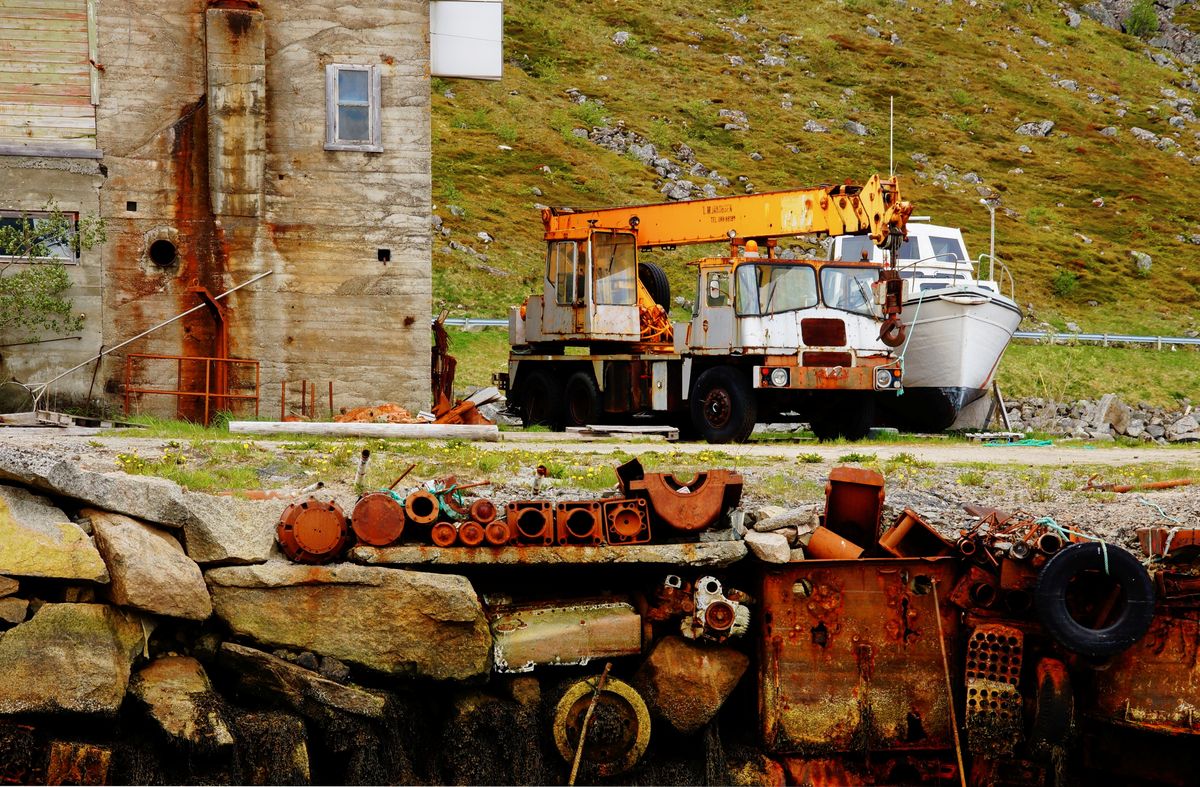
{"x":450,"y":192}
{"x":972,"y":478}
{"x":855,"y":457}
{"x":1065,"y":283}
{"x":962,"y":97}
{"x":809,"y":459}
{"x":507,"y":133}
{"x":965,"y":123}
{"x":1142,"y":19}
{"x":590,"y":114}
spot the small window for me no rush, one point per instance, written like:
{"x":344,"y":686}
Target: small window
{"x":567,"y":273}
{"x":615,"y":256}
{"x":353,"y":96}
{"x":947,"y":248}
{"x":718,"y":289}
{"x":38,"y":236}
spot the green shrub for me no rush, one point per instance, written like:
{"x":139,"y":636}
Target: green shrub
{"x":1064,"y":283}
{"x":1142,"y":19}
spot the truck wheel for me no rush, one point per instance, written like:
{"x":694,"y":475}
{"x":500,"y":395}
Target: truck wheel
{"x":541,"y":401}
{"x":583,"y":405}
{"x":654,"y":279}
{"x":723,"y":406}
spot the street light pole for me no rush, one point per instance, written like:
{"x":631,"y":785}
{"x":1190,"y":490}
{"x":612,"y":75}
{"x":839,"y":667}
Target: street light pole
{"x":992,"y":242}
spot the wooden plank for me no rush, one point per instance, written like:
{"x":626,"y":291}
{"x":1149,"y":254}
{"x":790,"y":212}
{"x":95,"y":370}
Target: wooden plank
{"x":78,"y":36}
{"x":45,"y":135}
{"x":8,"y":95}
{"x":55,"y":56}
{"x":76,"y":69}
{"x":46,"y":110}
{"x":713,"y":554}
{"x":35,"y":46}
{"x":398,"y":431}
{"x":74,"y":22}
{"x":93,"y":53}
{"x":83,"y":150}
{"x":61,"y":5}
{"x":10,"y":122}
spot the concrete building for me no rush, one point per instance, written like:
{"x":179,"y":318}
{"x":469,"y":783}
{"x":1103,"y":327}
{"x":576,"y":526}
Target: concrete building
{"x":220,"y":140}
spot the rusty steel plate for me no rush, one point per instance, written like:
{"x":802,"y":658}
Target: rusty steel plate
{"x":850,"y":657}
{"x":1155,"y":685}
{"x":563,"y":632}
{"x":377,"y":519}
{"x":314,"y":531}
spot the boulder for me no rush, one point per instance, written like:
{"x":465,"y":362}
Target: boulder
{"x":216,"y":529}
{"x":769,"y":547}
{"x":804,"y":518}
{"x":686,"y":684}
{"x":69,"y":657}
{"x":1111,"y":412}
{"x":1182,"y":427}
{"x":8,"y":586}
{"x":305,"y":691}
{"x":391,"y":620}
{"x":149,"y":569}
{"x":38,"y":540}
{"x":13,"y":610}
{"x":179,"y":697}
{"x":1039,"y":128}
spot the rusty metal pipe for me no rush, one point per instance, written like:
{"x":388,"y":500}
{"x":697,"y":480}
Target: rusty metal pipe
{"x":421,"y":507}
{"x":967,"y":547}
{"x":827,"y":545}
{"x":1049,"y":543}
{"x":983,"y":594}
{"x":497,"y":533}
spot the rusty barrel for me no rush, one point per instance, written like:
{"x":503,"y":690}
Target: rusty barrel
{"x":377,"y":519}
{"x":313,"y":531}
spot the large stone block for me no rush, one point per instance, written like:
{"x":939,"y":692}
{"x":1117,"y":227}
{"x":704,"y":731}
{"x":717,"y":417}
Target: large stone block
{"x":216,"y":529}
{"x":686,"y":684}
{"x":178,"y":696}
{"x":148,"y":568}
{"x":390,"y":620}
{"x":37,"y":540}
{"x":301,"y":689}
{"x":69,"y":657}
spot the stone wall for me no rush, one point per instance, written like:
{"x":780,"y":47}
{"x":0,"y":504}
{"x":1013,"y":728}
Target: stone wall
{"x":1104,"y":419}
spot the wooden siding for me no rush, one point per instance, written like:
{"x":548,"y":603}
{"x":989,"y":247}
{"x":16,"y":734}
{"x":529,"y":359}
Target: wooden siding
{"x":46,"y":79}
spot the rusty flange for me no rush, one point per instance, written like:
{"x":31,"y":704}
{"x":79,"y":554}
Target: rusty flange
{"x":626,"y":521}
{"x":470,"y":533}
{"x":497,"y":533}
{"x":531,"y":521}
{"x":422,"y":507}
{"x":483,"y":511}
{"x":619,"y":731}
{"x":314,"y":531}
{"x":443,"y":534}
{"x":579,"y":522}
{"x":377,"y":519}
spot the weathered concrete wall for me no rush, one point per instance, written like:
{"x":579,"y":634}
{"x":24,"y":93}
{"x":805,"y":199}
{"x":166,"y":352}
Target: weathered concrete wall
{"x":27,"y":184}
{"x":212,"y":125}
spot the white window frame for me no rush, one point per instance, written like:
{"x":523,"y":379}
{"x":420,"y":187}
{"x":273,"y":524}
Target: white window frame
{"x":374,"y":95}
{"x":33,"y":215}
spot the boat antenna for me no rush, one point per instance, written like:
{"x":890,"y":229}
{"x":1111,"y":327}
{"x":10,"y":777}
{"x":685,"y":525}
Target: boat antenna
{"x":891,"y":136}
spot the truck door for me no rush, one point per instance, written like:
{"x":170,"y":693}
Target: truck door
{"x":713,"y":325}
{"x":565,"y":302}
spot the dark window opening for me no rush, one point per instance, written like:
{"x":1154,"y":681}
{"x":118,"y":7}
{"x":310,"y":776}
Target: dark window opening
{"x":163,"y":253}
{"x":131,"y":206}
{"x":384,"y":255}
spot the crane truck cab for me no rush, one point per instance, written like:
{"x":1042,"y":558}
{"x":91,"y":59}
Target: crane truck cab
{"x":769,"y":338}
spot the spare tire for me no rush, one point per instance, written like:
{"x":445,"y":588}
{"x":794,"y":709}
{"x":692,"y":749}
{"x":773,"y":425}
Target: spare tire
{"x":1135,"y":607}
{"x":654,"y":279}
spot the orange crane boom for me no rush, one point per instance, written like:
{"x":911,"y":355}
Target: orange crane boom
{"x":875,"y":209}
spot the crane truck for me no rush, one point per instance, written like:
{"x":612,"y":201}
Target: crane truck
{"x":769,"y":338}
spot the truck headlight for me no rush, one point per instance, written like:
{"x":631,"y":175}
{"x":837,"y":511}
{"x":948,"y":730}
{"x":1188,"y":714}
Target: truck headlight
{"x":779,"y":377}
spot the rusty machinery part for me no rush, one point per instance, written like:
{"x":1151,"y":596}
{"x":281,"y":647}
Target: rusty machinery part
{"x":579,"y":522}
{"x":421,"y":507}
{"x":672,"y":598}
{"x":892,"y":332}
{"x":716,"y":616}
{"x":1049,"y":543}
{"x":975,"y":589}
{"x":482,"y":511}
{"x":561,"y":632}
{"x":471,"y":533}
{"x":1054,"y":705}
{"x":531,"y":521}
{"x":994,"y":704}
{"x":497,"y":533}
{"x":626,"y":521}
{"x":854,"y":504}
{"x":619,"y":731}
{"x":378,"y":519}
{"x":686,"y":506}
{"x":824,"y":544}
{"x":443,"y":534}
{"x":313,"y":531}
{"x":1119,"y":606}
{"x":911,"y":536}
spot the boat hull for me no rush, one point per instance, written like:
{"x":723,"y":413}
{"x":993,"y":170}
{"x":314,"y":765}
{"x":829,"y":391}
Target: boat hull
{"x":956,"y":337}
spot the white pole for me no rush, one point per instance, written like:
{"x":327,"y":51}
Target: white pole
{"x":41,"y":387}
{"x":891,"y":136}
{"x":992,"y":245}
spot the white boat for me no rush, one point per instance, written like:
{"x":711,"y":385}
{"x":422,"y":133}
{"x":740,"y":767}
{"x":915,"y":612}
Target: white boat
{"x":958,"y":319}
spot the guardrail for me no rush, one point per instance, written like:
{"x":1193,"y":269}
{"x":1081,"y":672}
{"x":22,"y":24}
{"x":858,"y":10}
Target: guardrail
{"x":1103,"y":339}
{"x":1106,"y":339}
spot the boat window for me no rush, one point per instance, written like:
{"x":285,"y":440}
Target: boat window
{"x":950,"y":247}
{"x":568,"y":277}
{"x":908,"y":250}
{"x":853,"y":246}
{"x":615,"y":257}
{"x":935,"y":285}
{"x":849,"y":289}
{"x":774,"y":289}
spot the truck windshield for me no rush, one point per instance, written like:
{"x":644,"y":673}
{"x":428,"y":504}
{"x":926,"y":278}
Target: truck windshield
{"x":849,"y":289}
{"x":615,"y":259}
{"x":775,"y":288}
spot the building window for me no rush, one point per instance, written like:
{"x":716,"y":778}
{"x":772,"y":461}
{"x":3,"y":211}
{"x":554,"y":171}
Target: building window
{"x":38,"y":237}
{"x":352,"y":111}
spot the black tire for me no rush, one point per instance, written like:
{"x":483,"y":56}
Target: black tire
{"x":541,"y":401}
{"x":654,"y":279}
{"x":583,"y":404}
{"x":723,"y":406}
{"x":1136,"y":606}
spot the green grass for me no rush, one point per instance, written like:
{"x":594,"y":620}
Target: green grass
{"x":1067,"y":373}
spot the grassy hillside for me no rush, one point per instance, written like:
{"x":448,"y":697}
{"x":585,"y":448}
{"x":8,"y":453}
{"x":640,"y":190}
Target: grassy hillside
{"x":963,"y":78}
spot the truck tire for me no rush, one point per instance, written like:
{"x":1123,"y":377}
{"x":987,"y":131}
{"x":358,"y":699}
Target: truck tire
{"x":1134,"y":614}
{"x":654,"y":279}
{"x":583,"y":404}
{"x":541,"y":401}
{"x":723,"y":405}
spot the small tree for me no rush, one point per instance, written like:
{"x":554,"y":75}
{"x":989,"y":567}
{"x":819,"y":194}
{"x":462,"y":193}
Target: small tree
{"x":1142,"y":19}
{"x":33,"y":278}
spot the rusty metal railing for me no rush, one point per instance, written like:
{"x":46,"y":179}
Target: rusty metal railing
{"x":214,"y":369}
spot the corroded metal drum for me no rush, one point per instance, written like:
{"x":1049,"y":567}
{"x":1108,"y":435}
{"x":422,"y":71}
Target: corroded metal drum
{"x":314,"y":531}
{"x":377,"y":519}
{"x":443,"y":534}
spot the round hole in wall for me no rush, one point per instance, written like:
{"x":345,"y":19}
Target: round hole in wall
{"x":163,"y":253}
